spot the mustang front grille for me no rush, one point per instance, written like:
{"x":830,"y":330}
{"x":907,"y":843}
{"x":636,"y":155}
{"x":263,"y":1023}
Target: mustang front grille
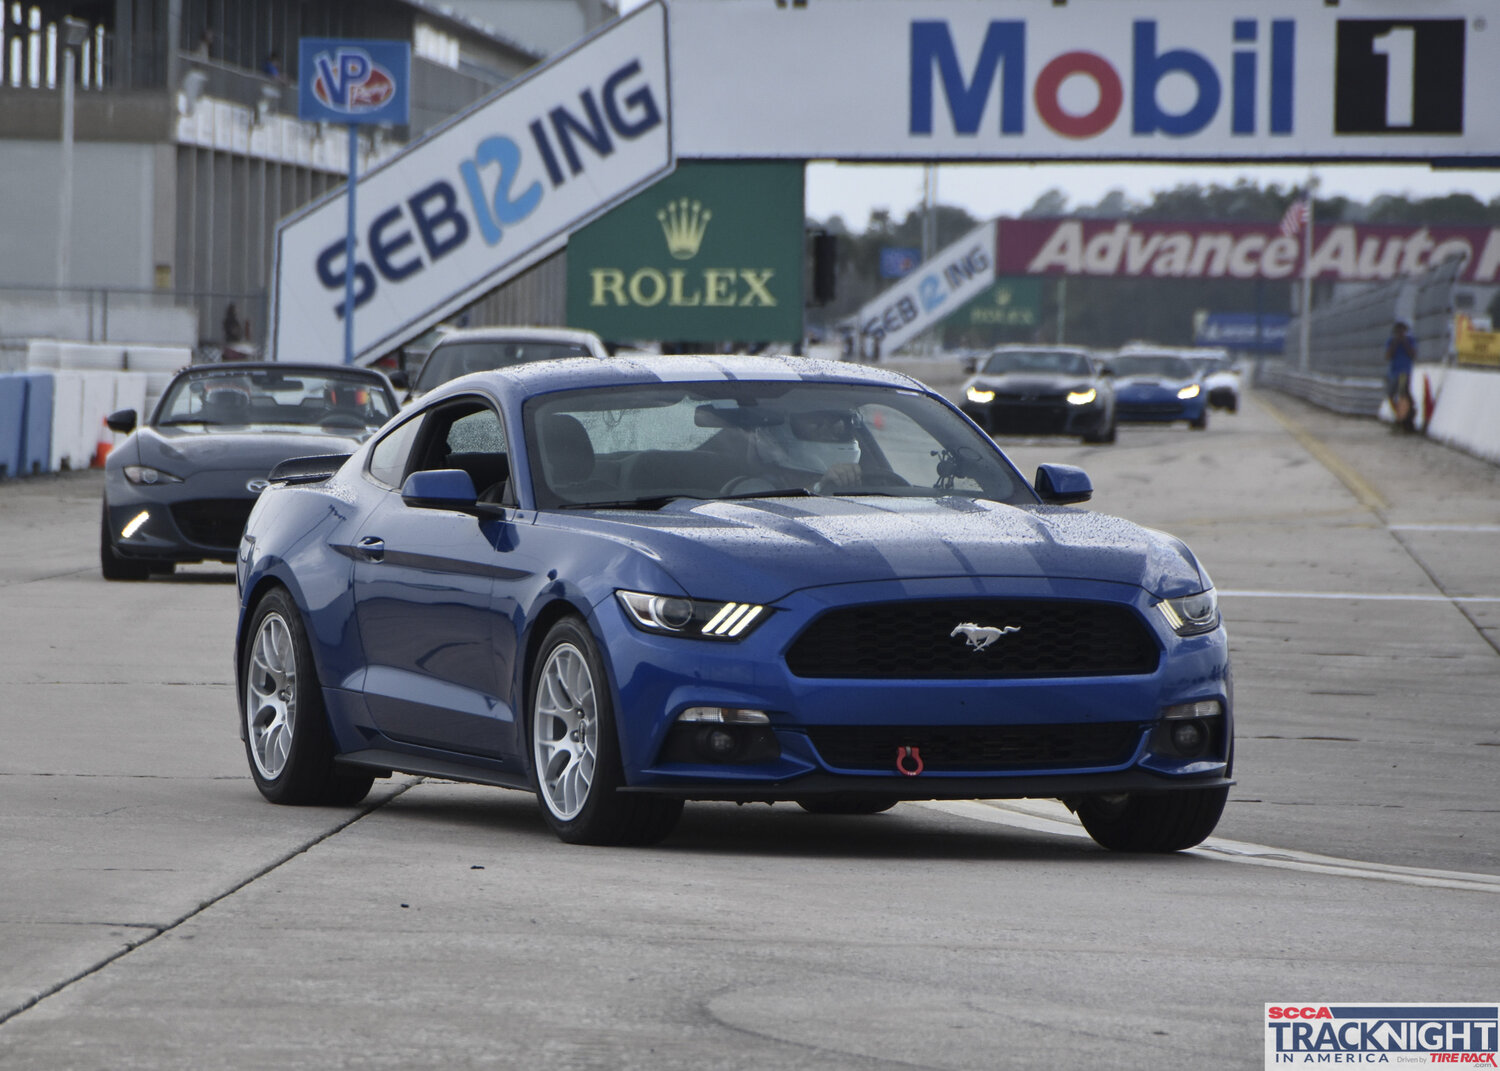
{"x":980,"y":748}
{"x":975,"y":639}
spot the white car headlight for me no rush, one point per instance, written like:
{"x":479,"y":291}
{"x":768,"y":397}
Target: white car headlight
{"x":1082,"y":397}
{"x":982,"y":397}
{"x":147,"y":475}
{"x":1192,"y":615}
{"x":1190,"y":391}
{"x":700,"y":619}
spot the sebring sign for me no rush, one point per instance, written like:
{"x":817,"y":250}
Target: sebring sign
{"x":482,"y":199}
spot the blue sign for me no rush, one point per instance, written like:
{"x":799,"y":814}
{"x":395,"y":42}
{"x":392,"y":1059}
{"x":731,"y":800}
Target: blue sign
{"x":1244,"y":331}
{"x":356,"y":82}
{"x":898,"y":262}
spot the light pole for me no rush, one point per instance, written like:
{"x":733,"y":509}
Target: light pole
{"x":71,"y":33}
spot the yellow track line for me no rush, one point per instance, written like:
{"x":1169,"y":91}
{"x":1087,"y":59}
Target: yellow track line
{"x":1358,"y":486}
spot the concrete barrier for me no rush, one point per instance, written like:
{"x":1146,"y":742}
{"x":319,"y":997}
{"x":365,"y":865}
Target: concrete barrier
{"x":1467,"y":413}
{"x":12,"y":423}
{"x":36,"y":435}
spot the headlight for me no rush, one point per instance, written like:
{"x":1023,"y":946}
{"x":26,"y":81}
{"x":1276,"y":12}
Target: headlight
{"x":1190,"y":391}
{"x":975,"y":394}
{"x":1082,"y":397}
{"x":146,"y":474}
{"x":1192,"y":615}
{"x":697,"y":618}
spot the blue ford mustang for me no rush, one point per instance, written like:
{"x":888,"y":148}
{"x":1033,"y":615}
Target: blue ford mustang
{"x":627,"y":583}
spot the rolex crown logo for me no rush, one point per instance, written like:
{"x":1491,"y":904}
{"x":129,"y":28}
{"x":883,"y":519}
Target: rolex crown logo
{"x":683,"y":222}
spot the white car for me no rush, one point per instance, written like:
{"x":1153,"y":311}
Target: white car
{"x":1219,"y":375}
{"x":480,"y":349}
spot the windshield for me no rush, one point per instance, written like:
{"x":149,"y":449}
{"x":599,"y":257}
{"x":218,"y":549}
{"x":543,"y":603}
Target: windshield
{"x":1164,"y":365}
{"x":1044,"y":361}
{"x":646,"y":445}
{"x":250,"y":397}
{"x":461,"y":358}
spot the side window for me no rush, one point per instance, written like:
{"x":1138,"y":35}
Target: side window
{"x":388,"y":458}
{"x":477,"y":433}
{"x":468,"y":435}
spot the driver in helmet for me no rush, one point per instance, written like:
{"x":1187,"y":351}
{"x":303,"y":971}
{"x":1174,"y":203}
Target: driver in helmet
{"x":820,"y":442}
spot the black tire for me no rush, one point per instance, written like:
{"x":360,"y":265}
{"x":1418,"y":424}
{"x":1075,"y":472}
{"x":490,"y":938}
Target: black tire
{"x":288,"y":743}
{"x":1159,"y":822}
{"x":848,"y":803}
{"x":1201,"y":423}
{"x":575,"y":748}
{"x":111,"y":564}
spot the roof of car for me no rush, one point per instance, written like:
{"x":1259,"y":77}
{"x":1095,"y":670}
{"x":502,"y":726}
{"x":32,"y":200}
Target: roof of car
{"x":542,"y":377}
{"x":512,"y":334}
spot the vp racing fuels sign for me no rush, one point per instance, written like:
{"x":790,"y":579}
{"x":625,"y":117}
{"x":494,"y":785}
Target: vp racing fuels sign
{"x":480,"y":200}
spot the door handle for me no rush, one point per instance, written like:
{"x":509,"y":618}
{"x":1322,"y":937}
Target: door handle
{"x":372,"y":548}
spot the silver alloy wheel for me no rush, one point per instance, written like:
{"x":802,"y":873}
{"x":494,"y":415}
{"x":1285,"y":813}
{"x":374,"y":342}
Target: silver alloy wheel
{"x":271,"y":696}
{"x":565,"y":731}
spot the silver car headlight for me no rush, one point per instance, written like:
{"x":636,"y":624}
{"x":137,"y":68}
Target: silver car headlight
{"x":1192,"y":615}
{"x":145,"y":474}
{"x":1082,"y":397}
{"x":979,"y":395}
{"x":701,"y":619}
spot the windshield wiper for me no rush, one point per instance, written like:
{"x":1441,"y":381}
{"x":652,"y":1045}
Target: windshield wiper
{"x":187,"y":420}
{"x":654,"y":502}
{"x":785,"y":492}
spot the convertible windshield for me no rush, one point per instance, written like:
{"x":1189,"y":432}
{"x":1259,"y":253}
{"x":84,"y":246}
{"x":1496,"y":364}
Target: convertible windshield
{"x":1163,"y":365}
{"x":647,"y":445}
{"x":461,"y":358}
{"x":251,"y":396}
{"x":1047,"y":362}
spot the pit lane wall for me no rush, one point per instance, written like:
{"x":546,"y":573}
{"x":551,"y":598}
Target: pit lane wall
{"x":1466,"y":413}
{"x":53,"y":405}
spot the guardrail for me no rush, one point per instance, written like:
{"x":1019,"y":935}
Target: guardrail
{"x":1354,"y":395}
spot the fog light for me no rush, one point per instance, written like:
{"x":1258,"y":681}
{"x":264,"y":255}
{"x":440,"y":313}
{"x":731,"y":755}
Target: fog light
{"x":720,"y":743}
{"x":1188,"y":737}
{"x":724,"y":716}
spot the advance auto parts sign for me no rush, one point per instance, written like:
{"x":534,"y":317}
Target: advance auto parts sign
{"x":713,"y":253}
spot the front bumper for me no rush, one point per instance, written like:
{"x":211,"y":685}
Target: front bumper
{"x":1028,"y":736}
{"x":1045,"y":416}
{"x":200,"y":519}
{"x":1159,"y":406}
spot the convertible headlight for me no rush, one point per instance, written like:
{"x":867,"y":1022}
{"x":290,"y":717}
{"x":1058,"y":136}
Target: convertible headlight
{"x":696,"y":618}
{"x":146,"y":474}
{"x":975,"y":394}
{"x":1082,"y":397}
{"x":1190,"y":391}
{"x":1192,"y":615}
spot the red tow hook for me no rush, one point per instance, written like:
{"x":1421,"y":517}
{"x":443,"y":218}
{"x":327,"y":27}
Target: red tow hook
{"x":903,"y":754}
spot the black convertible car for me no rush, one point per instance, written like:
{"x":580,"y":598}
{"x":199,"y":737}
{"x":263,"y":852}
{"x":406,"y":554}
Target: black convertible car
{"x":1041,"y":390}
{"x":181,"y":486}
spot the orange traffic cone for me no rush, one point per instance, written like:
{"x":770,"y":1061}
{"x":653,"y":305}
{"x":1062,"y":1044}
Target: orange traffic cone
{"x":104,"y":446}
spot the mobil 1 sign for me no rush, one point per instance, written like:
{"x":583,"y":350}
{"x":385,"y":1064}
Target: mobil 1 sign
{"x":713,"y":252}
{"x":479,"y":200}
{"x":1088,"y":79}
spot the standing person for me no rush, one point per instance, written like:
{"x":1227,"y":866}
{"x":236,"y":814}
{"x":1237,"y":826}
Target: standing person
{"x":1401,"y":360}
{"x":233,"y":332}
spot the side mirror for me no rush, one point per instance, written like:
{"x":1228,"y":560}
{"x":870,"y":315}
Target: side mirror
{"x":451,"y":489}
{"x":122,"y":421}
{"x":1062,"y":485}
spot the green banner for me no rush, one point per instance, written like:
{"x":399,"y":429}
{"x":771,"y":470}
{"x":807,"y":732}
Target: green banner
{"x":1008,"y":307}
{"x":712,"y":253}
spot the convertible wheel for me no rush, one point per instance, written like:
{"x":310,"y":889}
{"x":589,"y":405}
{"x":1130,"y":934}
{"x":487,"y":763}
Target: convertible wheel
{"x":576,"y":751}
{"x":847,"y":803}
{"x":1201,"y":423}
{"x":111,"y":564}
{"x":287,"y":738}
{"x":1162,"y":822}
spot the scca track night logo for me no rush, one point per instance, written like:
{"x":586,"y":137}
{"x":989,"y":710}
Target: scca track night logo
{"x":349,"y":81}
{"x":1458,"y":1034}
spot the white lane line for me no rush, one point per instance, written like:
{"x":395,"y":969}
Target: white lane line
{"x":1049,"y":816}
{"x":1363,"y":596}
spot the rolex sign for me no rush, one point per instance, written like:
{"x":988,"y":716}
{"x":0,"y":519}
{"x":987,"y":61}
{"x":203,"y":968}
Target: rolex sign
{"x":711,"y":253}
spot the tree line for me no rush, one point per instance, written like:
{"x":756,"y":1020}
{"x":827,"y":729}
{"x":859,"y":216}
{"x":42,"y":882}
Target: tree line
{"x":1110,"y":312}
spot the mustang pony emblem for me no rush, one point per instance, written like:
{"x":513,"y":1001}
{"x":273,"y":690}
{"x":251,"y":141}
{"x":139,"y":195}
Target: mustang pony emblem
{"x":981,"y":636}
